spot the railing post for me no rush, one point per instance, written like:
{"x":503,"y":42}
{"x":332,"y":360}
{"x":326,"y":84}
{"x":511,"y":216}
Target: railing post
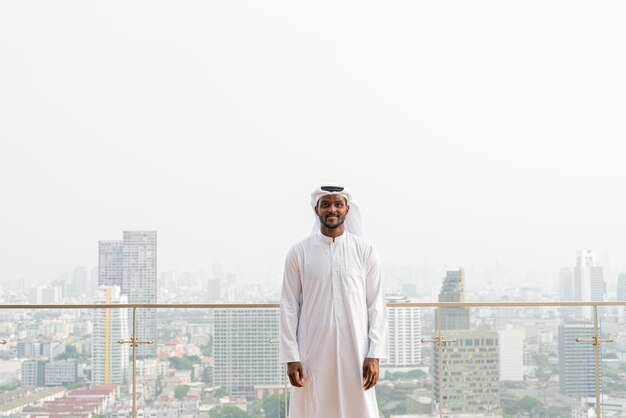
{"x":596,"y":341}
{"x":276,"y":341}
{"x":134,"y":343}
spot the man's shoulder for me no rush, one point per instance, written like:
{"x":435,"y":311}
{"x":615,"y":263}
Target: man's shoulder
{"x":360,"y":241}
{"x":303,"y":243}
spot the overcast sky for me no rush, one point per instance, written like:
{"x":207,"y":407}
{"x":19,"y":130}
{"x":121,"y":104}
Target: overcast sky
{"x":472,"y":133}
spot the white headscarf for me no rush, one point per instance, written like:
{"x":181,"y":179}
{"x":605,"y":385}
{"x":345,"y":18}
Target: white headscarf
{"x":354,"y":222}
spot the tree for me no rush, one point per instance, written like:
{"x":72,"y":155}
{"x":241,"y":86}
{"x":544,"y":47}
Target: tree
{"x":181,"y":391}
{"x":274,"y":406}
{"x":227,"y":411}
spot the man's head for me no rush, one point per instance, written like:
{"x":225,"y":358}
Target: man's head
{"x":332,"y":210}
{"x":331,"y":204}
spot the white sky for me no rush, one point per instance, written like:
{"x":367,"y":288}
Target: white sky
{"x":472,"y":132}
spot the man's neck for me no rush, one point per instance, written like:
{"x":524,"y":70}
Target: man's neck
{"x":332,"y":232}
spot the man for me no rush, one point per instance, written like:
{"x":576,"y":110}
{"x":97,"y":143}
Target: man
{"x":333,"y":324}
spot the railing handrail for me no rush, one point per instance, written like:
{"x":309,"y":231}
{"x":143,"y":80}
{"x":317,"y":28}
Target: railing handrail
{"x":276,"y":305}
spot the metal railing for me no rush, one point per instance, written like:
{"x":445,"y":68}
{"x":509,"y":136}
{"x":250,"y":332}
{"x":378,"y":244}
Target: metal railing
{"x":440,"y":341}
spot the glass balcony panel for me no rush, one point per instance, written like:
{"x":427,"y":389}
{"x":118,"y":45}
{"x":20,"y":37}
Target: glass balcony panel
{"x":556,"y":374}
{"x":50,"y":362}
{"x":406,"y":383}
{"x":613,"y":361}
{"x":202,"y":359}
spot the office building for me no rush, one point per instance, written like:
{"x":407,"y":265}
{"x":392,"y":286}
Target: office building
{"x":244,"y":356}
{"x":577,"y":376}
{"x":470,"y":378}
{"x":110,"y":360}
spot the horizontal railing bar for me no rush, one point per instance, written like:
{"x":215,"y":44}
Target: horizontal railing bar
{"x":276,"y":305}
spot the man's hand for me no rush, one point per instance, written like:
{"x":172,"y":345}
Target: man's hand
{"x":296,"y":374}
{"x":371,"y":371}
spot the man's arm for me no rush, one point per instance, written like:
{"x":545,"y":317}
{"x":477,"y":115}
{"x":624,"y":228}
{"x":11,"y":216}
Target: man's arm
{"x":290,"y":302}
{"x":376,"y":310}
{"x":377,"y":321}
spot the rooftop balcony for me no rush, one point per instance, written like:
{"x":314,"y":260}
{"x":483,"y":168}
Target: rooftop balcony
{"x":518,"y":359}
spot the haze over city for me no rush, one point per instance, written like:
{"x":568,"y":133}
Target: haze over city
{"x":481,"y":135}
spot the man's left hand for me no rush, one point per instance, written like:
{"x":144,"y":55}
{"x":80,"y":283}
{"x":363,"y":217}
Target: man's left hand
{"x":371,"y":371}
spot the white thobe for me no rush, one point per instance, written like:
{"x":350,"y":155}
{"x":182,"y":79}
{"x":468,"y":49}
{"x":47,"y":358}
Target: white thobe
{"x":332,"y":316}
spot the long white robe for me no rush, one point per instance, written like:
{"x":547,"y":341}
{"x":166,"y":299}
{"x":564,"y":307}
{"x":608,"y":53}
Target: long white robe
{"x":332,"y":316}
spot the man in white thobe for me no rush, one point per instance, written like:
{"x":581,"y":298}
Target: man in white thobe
{"x":333,"y":324}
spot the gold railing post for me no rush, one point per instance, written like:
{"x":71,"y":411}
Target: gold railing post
{"x":440,"y":344}
{"x":276,"y":341}
{"x":134,"y":343}
{"x":597,"y":342}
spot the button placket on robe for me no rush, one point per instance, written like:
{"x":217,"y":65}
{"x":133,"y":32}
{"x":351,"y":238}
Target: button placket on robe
{"x":336,"y":270}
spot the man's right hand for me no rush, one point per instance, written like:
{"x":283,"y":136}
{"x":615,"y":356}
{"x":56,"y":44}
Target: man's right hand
{"x":296,"y":374}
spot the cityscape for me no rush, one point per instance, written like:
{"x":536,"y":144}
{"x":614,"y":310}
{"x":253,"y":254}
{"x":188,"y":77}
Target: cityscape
{"x":486,"y":361}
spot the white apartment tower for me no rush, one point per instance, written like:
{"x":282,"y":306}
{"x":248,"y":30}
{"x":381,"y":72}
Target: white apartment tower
{"x":110,"y":360}
{"x":405,"y":334}
{"x":511,"y":343}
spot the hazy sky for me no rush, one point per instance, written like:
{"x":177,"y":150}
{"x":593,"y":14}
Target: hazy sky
{"x":471,"y":132}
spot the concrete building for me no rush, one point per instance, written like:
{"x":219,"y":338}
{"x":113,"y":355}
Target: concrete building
{"x":49,"y":373}
{"x":244,"y":357}
{"x":110,"y":360}
{"x":577,"y":375}
{"x":405,"y":334}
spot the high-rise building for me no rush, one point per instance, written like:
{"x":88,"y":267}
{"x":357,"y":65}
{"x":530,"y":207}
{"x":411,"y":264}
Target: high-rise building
{"x":621,"y":287}
{"x":566,"y":284}
{"x":242,"y":352}
{"x":577,"y":376}
{"x":469,"y":364}
{"x":405,"y":335}
{"x":131,"y":264}
{"x":470,"y":382}
{"x":139,"y":282}
{"x":110,"y":263}
{"x":452,"y":290}
{"x":511,"y":344}
{"x":110,"y":360}
{"x":214,"y":291}
{"x":589,"y":284}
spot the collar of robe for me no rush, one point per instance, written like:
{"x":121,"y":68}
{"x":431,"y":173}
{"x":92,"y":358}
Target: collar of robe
{"x":329,"y":240}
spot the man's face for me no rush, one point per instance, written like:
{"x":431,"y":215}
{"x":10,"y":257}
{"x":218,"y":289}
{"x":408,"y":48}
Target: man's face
{"x":332,"y":210}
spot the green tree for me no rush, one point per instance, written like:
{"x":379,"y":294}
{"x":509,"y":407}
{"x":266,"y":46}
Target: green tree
{"x":220,"y":393}
{"x":181,"y":391}
{"x":227,"y":411}
{"x":274,"y":406}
